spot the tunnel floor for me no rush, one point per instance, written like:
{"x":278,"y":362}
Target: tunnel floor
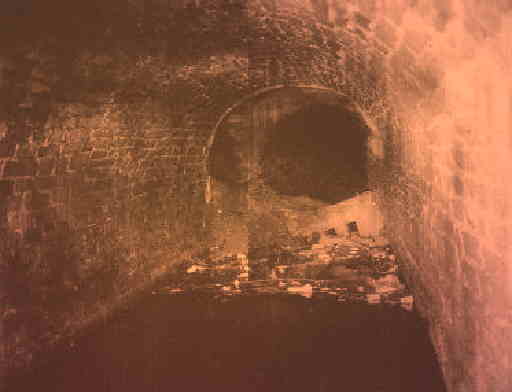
{"x":250,"y":343}
{"x":279,"y":331}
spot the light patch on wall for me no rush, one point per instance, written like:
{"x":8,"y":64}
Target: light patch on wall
{"x":18,"y":217}
{"x":3,"y":129}
{"x":376,"y":147}
{"x":361,"y":209}
{"x":208,"y":191}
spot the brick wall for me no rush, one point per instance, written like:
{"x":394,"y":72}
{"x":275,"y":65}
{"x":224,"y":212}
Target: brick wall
{"x":101,"y":149}
{"x":440,"y":151}
{"x":250,"y":195}
{"x":102,"y":169}
{"x":98,"y":200}
{"x":431,"y":80}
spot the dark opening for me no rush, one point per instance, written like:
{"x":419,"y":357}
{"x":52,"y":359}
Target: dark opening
{"x":229,"y":159}
{"x":245,"y":343}
{"x":319,"y":151}
{"x":223,"y":157}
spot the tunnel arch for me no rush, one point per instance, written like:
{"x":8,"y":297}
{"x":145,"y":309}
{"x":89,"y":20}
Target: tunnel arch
{"x":256,"y":203}
{"x":255,"y":95}
{"x":325,"y":96}
{"x":427,"y":73}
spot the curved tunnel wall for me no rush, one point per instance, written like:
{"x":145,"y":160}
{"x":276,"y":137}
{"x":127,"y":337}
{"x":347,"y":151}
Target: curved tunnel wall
{"x":319,"y":152}
{"x":102,"y":157}
{"x":430,"y":78}
{"x":281,"y":165}
{"x":434,"y":176}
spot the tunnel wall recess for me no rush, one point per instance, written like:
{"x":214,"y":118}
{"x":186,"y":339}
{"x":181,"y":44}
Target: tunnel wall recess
{"x":104,"y":130}
{"x":317,"y":135}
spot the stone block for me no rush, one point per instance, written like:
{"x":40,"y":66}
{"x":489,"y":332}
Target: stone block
{"x":38,"y":87}
{"x":362,"y":20}
{"x":100,"y":163}
{"x":97,"y":172}
{"x":427,"y":78}
{"x":458,"y":185}
{"x":24,"y":185}
{"x":459,"y":157}
{"x":45,"y":167}
{"x":395,"y":11}
{"x":7,"y":148}
{"x":45,"y":183}
{"x":102,"y":133}
{"x":470,"y":277}
{"x":458,"y":209}
{"x":471,"y":245}
{"x":40,"y":200}
{"x":102,"y":187}
{"x":6,"y":188}
{"x":158,"y":134}
{"x":98,"y":154}
{"x":368,"y":7}
{"x":45,"y":151}
{"x":24,"y":151}
{"x":20,"y":168}
{"x":77,"y":162}
{"x":62,"y":166}
{"x":101,"y":141}
{"x":404,"y":59}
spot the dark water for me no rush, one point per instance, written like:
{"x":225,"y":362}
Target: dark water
{"x":258,"y":343}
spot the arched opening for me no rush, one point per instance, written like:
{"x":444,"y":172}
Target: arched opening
{"x":285,"y":163}
{"x":319,"y":151}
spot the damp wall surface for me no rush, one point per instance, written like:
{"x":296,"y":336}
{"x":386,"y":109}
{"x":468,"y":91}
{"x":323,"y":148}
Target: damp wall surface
{"x":107,"y":110}
{"x":106,"y":120}
{"x":99,"y":199}
{"x":102,"y":142}
{"x":285,"y":163}
{"x":441,"y":177}
{"x":431,"y":80}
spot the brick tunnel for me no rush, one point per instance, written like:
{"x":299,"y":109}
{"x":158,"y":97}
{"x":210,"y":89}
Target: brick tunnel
{"x":118,"y":120}
{"x":278,"y":160}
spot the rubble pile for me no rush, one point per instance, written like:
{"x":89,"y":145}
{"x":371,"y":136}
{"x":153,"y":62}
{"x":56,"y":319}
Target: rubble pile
{"x":347,"y":269}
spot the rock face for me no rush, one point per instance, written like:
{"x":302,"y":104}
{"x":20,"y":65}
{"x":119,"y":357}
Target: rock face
{"x":346,"y":268}
{"x":279,"y":160}
{"x":109,"y":111}
{"x":361,"y":209}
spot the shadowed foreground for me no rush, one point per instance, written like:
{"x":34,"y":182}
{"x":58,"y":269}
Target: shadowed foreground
{"x":246,"y":343}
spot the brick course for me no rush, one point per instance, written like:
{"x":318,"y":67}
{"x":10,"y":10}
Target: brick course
{"x":102,"y":146}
